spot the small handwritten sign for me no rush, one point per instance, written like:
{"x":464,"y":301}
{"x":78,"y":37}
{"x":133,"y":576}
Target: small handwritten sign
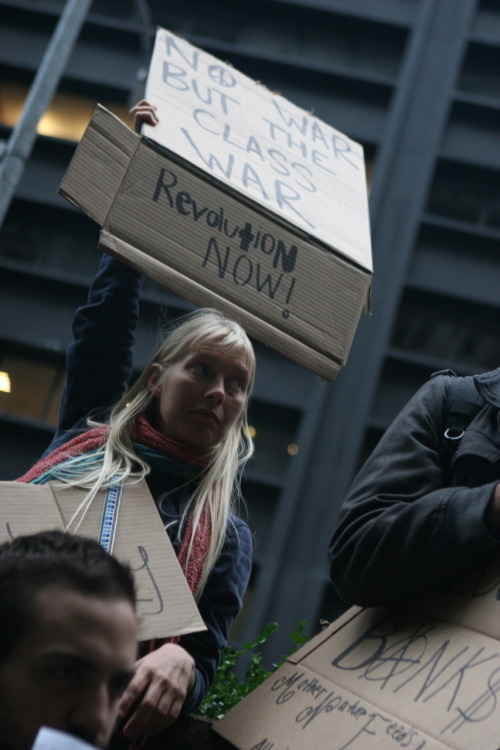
{"x":396,"y":677}
{"x":165,"y":606}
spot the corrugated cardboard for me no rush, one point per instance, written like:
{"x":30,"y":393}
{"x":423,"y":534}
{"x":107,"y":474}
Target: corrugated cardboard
{"x":242,"y":201}
{"x":397,"y":677}
{"x":165,"y":606}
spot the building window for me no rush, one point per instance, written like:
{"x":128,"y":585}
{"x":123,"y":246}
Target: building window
{"x":53,"y":238}
{"x":466,"y":193}
{"x":66,"y":118}
{"x":456,"y":333}
{"x":35,"y":389}
{"x":274,"y":430}
{"x":480,"y":71}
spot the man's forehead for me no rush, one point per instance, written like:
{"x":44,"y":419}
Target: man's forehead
{"x":68,"y":621}
{"x":74,"y":598}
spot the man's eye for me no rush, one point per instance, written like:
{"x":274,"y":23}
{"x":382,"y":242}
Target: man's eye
{"x":66,"y":672}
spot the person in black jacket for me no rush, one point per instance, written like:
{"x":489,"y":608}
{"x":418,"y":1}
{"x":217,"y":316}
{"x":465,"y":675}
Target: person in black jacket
{"x":405,"y":528}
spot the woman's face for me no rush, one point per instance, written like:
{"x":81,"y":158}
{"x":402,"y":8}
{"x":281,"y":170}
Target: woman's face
{"x":201,"y":396}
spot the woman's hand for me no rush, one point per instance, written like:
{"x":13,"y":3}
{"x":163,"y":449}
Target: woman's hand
{"x":156,"y":693}
{"x":141,"y":112}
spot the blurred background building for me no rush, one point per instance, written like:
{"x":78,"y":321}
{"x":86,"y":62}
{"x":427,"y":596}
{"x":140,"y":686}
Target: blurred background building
{"x":416,"y":82}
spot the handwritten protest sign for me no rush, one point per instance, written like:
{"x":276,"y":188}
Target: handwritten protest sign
{"x":165,"y":606}
{"x":238,"y":200}
{"x":260,"y":144}
{"x":381,"y":678}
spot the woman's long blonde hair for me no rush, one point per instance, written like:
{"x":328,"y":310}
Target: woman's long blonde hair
{"x":219,"y":486}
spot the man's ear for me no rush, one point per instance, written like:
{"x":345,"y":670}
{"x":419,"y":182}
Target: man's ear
{"x":154,"y":375}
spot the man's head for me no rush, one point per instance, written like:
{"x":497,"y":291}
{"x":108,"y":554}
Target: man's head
{"x":67,"y":638}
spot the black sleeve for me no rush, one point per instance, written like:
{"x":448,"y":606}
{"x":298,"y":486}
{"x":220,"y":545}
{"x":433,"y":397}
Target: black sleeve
{"x":99,"y":359}
{"x":400,"y":532}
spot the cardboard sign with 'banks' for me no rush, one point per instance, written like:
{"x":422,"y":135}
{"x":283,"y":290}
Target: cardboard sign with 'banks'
{"x":400,"y":677}
{"x":238,"y":199}
{"x":165,"y":605}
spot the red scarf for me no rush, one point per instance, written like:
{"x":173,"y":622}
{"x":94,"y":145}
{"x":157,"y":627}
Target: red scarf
{"x":93,"y":439}
{"x":143,"y":432}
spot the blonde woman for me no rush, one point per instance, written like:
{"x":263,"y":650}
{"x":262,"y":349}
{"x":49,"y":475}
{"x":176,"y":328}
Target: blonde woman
{"x":182,"y":426}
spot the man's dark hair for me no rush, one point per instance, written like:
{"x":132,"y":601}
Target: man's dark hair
{"x":53,"y":558}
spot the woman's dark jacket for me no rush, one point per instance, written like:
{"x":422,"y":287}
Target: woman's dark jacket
{"x":99,"y":367}
{"x":401,"y":530}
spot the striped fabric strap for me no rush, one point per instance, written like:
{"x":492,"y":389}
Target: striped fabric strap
{"x":110,"y":517}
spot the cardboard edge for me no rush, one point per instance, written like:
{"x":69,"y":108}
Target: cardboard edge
{"x":241,"y":197}
{"x":450,"y":618}
{"x":50,"y":487}
{"x":317,"y":640}
{"x":112,"y":129}
{"x":284,"y":343}
{"x":104,"y":120}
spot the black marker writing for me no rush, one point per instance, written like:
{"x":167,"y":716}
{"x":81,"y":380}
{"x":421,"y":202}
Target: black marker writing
{"x":238,"y":261}
{"x":144,"y":566}
{"x":286,"y":196}
{"x":326,"y":700}
{"x":410,"y":657}
{"x":480,"y":709}
{"x":245,"y":272}
{"x":328,"y":704}
{"x":310,"y":128}
{"x":8,"y":529}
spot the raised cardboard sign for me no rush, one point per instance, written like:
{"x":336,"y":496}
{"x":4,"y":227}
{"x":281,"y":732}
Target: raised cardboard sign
{"x":238,"y":200}
{"x":165,"y":605}
{"x":398,"y":677}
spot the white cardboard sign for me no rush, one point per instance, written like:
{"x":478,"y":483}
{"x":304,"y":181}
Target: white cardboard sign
{"x":261,"y":145}
{"x":421,"y":677}
{"x":165,"y":605}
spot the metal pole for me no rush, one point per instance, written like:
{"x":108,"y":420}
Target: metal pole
{"x":39,"y":97}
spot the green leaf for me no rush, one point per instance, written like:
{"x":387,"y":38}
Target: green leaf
{"x":227,"y":689}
